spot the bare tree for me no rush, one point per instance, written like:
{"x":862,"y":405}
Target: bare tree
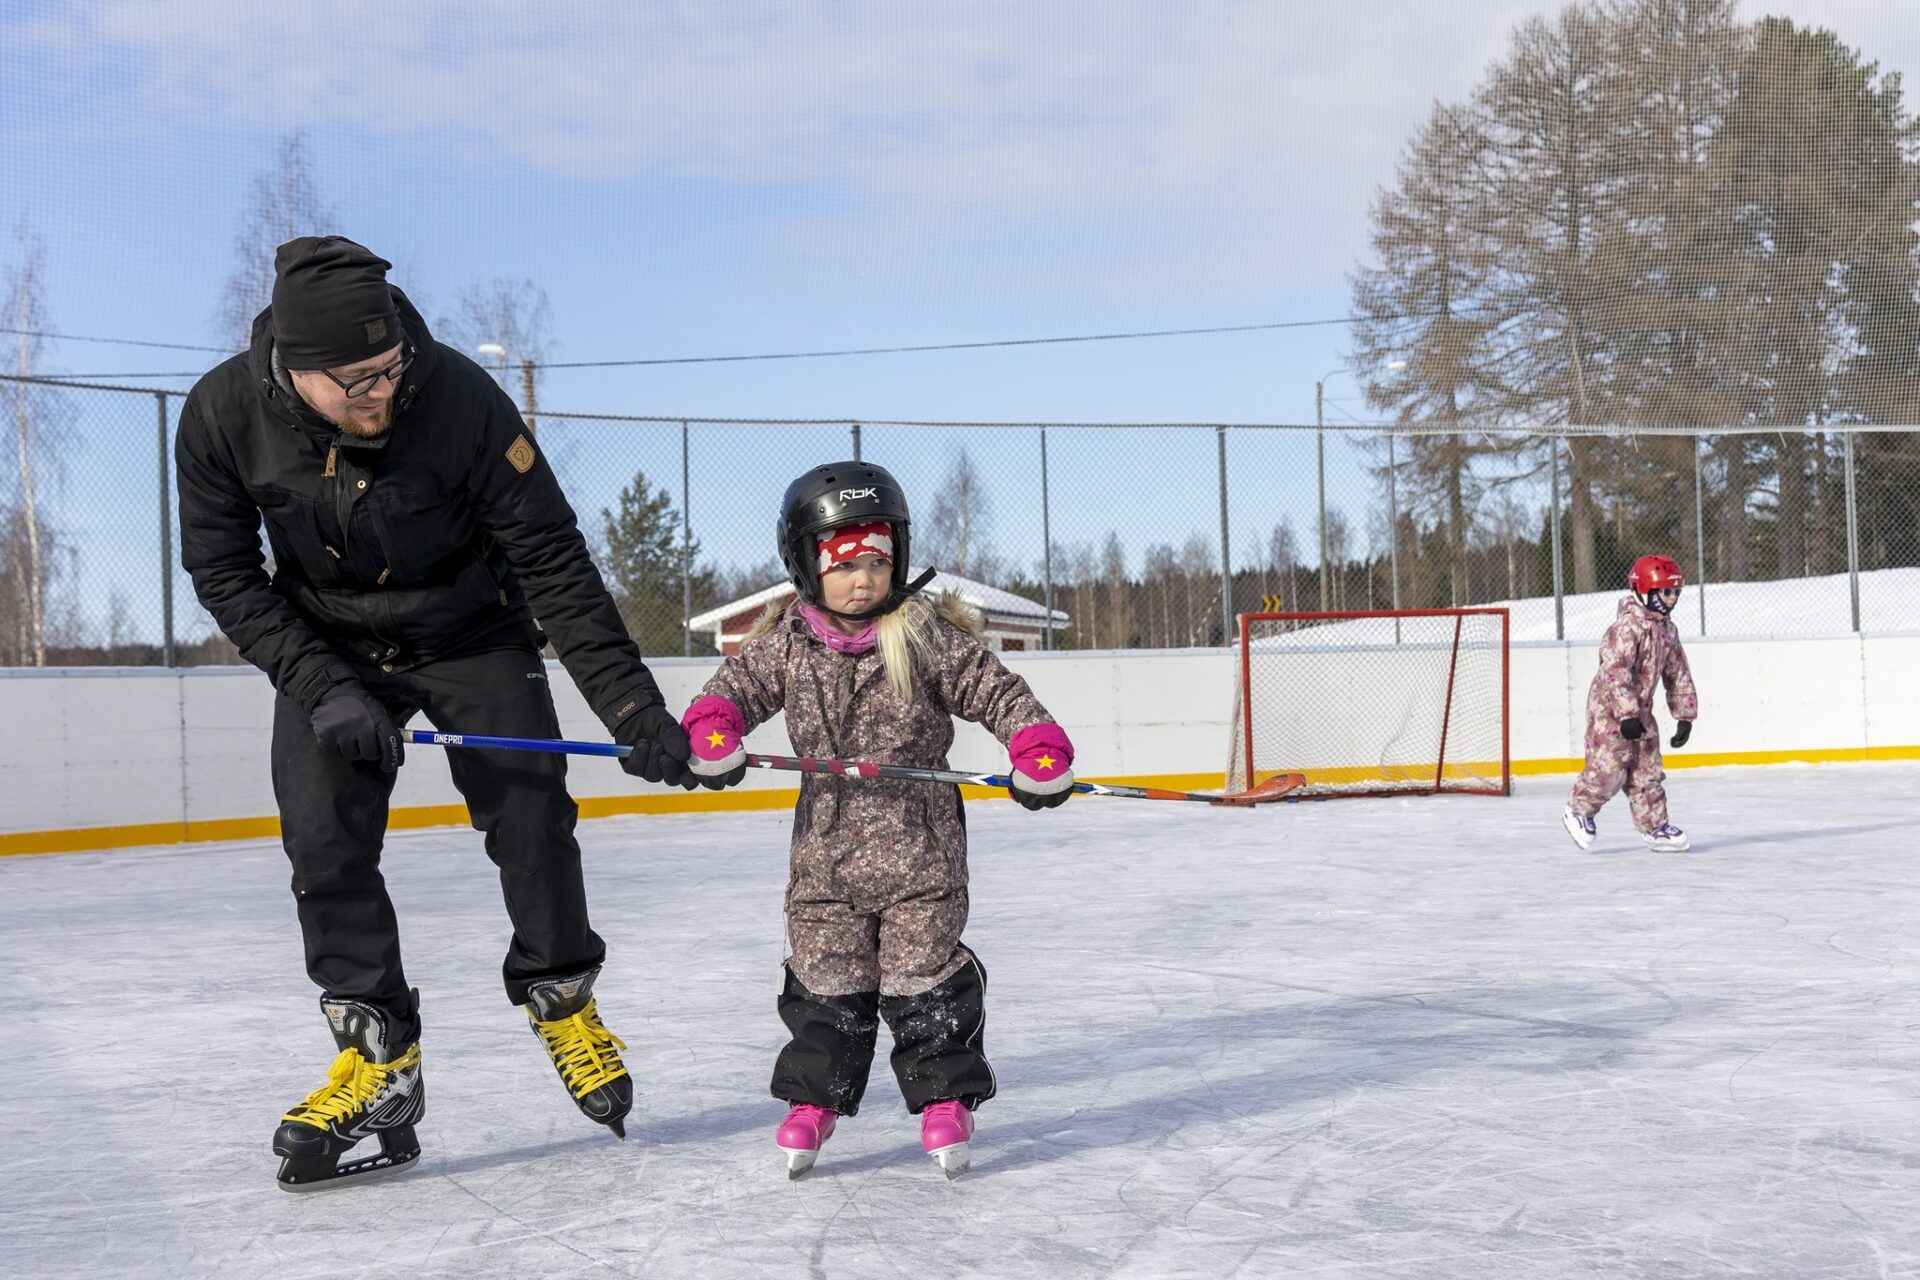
{"x":1510,"y":524}
{"x":28,"y":554}
{"x":283,"y":202}
{"x":955,"y":527}
{"x":1283,"y":557}
{"x":1113,"y":572}
{"x":1159,"y":569}
{"x":1339,"y":546}
{"x":513,"y":316}
{"x":1199,"y":574}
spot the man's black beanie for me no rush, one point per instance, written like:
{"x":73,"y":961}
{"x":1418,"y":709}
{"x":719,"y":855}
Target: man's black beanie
{"x":331,"y":304}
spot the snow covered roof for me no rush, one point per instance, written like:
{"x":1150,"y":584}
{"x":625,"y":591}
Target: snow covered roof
{"x":996,"y":603}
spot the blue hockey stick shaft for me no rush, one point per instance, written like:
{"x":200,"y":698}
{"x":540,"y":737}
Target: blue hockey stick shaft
{"x":1272,"y":789}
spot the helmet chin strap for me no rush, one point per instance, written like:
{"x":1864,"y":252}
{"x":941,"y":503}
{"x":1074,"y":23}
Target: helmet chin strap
{"x":894,"y":600}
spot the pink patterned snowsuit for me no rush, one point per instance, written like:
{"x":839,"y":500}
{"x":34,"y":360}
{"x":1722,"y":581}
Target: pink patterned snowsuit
{"x":1640,"y":649}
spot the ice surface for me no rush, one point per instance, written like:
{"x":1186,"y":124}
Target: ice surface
{"x":1399,"y":1037}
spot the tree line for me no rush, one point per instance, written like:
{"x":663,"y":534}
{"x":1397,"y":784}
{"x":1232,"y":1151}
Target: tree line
{"x":1650,"y":213}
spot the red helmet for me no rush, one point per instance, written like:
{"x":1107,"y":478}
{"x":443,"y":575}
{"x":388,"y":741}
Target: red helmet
{"x":1651,"y":574}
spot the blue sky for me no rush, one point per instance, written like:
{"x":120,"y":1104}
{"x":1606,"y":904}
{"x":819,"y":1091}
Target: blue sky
{"x":695,"y":179}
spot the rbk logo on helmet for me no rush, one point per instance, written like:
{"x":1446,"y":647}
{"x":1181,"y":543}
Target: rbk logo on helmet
{"x":848,"y":495}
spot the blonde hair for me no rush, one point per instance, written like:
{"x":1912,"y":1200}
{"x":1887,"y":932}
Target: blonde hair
{"x":905,"y":636}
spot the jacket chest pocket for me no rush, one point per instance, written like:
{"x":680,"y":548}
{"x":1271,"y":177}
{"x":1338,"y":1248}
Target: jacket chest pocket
{"x":301,"y":536}
{"x":420,"y":527}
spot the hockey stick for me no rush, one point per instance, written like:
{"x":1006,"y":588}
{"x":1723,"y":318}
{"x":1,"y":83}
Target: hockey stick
{"x":1274,"y":788}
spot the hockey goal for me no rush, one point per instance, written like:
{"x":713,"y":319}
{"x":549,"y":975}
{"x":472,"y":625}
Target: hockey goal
{"x":1389,"y":703}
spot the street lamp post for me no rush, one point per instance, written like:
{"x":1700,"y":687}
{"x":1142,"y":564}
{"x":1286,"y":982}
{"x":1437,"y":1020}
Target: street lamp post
{"x":1320,"y":465}
{"x":498,"y":354}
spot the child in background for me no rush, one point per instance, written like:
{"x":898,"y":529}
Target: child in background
{"x":865,"y":668}
{"x":1640,"y":650}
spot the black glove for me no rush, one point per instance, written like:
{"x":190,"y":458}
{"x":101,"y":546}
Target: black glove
{"x":1038,"y":801}
{"x":660,"y":751}
{"x":1681,"y":732}
{"x":1632,"y":730}
{"x":350,"y":722}
{"x":720,"y":781}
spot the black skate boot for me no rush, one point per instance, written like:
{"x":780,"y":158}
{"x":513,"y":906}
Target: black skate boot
{"x":373,"y":1089}
{"x":584,"y":1052}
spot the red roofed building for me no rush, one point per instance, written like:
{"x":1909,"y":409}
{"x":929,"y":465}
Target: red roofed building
{"x":1014,"y":623}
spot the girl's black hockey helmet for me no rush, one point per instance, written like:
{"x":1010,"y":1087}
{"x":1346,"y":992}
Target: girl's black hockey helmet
{"x":829,"y":497}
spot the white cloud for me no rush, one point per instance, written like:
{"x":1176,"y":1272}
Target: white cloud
{"x":1258,"y":128}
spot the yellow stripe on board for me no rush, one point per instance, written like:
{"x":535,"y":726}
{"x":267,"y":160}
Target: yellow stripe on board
{"x":85,"y":839}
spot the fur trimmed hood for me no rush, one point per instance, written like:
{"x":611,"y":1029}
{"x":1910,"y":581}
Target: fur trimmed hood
{"x":946,"y":607}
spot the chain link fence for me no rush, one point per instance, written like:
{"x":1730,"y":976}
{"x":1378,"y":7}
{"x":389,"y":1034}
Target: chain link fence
{"x":1134,"y":536}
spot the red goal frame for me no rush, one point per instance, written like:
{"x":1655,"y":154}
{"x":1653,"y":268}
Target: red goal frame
{"x":1244,"y":701}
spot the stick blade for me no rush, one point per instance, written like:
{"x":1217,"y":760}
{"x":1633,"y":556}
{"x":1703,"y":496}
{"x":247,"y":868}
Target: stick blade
{"x":1273,"y":788}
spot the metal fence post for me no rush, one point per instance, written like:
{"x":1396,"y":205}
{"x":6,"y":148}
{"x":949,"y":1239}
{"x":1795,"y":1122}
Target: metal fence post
{"x":856,"y":442}
{"x":1320,"y":466}
{"x":1393,"y":534}
{"x":1046,"y":540}
{"x":167,"y":654}
{"x":1853,"y":532}
{"x":1699,"y":535}
{"x":1553,"y":518}
{"x":1226,"y":561}
{"x":686,"y":549}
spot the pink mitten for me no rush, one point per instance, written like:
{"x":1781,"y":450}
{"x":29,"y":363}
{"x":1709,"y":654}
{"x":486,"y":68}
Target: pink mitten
{"x":1042,"y":774}
{"x":714,"y":727}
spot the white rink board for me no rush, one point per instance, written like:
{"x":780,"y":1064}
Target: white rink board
{"x":104,"y":747}
{"x":1397,"y":1037}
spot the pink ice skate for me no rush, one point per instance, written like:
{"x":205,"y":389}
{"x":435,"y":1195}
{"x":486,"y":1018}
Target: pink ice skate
{"x":945,"y":1128}
{"x":801,"y":1135}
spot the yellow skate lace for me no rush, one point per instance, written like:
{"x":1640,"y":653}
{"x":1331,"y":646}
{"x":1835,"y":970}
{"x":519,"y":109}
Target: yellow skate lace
{"x":352,"y":1081}
{"x":584,"y":1050}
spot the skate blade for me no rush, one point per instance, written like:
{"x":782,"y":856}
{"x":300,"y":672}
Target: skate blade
{"x":798,"y":1162}
{"x":371,"y":1168}
{"x":954,"y":1160}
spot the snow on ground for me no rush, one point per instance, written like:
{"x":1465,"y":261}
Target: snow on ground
{"x":1401,"y":1037}
{"x":1822,"y":606}
{"x":1889,"y":602}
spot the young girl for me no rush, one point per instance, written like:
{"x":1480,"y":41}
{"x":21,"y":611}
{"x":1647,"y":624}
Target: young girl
{"x":867,"y":669}
{"x":1640,"y":649}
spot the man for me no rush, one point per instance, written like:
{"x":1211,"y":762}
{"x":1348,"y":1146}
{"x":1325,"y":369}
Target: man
{"x":417,"y":535}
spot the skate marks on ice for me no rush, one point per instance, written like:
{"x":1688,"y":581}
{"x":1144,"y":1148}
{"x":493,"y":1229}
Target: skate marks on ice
{"x":1423,"y":1038}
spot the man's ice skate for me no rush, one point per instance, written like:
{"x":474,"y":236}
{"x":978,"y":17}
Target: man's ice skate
{"x":587,"y":1055}
{"x":945,"y":1130}
{"x":1666,"y":838}
{"x":373,"y":1089}
{"x":1580,"y":827}
{"x":802,"y":1134}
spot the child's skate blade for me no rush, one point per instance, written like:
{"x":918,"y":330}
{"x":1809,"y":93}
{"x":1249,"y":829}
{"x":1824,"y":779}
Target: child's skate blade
{"x":1574,"y":829}
{"x":954,"y":1160}
{"x":798,"y":1162}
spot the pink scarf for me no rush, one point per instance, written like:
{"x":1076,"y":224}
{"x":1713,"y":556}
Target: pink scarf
{"x":834,"y":638}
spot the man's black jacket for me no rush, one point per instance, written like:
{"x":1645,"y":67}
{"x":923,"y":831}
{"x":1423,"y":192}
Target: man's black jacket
{"x":448,"y":534}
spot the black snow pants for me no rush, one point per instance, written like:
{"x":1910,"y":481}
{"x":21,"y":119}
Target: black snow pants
{"x":333,"y":818}
{"x":939,"y":1043}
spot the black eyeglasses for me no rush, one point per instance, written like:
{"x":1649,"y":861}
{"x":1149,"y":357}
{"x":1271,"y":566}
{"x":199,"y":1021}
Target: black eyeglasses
{"x":360,"y":386}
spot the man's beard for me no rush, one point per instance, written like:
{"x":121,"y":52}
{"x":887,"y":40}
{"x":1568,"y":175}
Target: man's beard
{"x":365,"y":428}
